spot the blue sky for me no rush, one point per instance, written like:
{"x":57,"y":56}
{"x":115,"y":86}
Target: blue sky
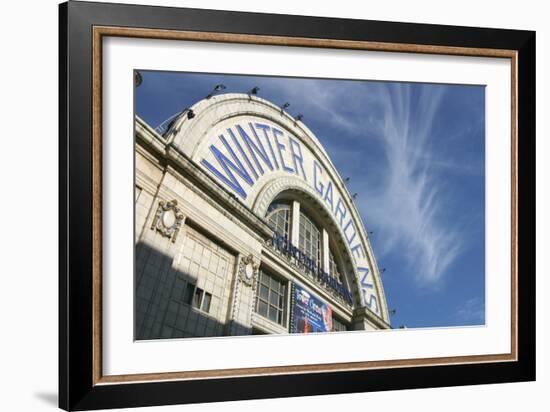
{"x":415,"y":155}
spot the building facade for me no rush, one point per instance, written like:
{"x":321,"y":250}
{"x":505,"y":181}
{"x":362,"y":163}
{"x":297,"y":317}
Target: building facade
{"x":244,"y":226}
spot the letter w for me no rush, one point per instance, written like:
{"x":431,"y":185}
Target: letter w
{"x":229,"y":178}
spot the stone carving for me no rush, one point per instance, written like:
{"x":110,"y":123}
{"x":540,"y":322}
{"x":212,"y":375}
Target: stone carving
{"x":248,"y":270}
{"x":168,"y":219}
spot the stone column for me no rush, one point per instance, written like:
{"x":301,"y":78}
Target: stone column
{"x":244,"y":296}
{"x":295,"y":226}
{"x":325,"y":252}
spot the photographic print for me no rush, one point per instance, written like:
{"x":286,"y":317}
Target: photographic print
{"x":277,"y":205}
{"x":324,"y":206}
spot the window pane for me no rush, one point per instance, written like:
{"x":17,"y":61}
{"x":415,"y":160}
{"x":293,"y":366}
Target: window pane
{"x":188,"y":297}
{"x":197,"y":298}
{"x":206,"y":302}
{"x":274,"y":298}
{"x":310,"y":238}
{"x":273,"y":313}
{"x":264,"y":292}
{"x":278,"y":217}
{"x":262,"y":308}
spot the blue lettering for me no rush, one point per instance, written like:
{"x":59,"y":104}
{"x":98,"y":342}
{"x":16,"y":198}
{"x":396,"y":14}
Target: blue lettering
{"x":350,"y":223}
{"x":317,"y":272}
{"x":373,"y":300}
{"x":230,"y":180}
{"x":297,"y":157}
{"x":358,"y":251}
{"x":265,"y":128}
{"x":328,"y":196}
{"x":366,"y":285}
{"x":340,"y":208}
{"x":242,"y":153}
{"x":281,"y":149}
{"x":318,"y":185}
{"x":254,"y":148}
{"x":365,"y":274}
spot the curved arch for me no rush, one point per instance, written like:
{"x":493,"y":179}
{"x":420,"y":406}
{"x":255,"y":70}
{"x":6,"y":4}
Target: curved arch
{"x":201,"y":140}
{"x":274,"y":187}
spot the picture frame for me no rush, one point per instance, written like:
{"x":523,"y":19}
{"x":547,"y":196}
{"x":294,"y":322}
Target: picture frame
{"x":82,"y":29}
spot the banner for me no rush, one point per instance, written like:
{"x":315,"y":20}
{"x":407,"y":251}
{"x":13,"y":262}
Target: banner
{"x":309,"y":314}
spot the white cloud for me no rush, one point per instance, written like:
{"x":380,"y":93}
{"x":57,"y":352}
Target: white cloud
{"x":408,"y":205}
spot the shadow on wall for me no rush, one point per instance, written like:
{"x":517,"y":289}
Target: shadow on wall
{"x":163,"y":301}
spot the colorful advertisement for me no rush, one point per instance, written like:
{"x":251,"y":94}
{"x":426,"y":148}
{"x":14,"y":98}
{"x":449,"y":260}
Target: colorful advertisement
{"x":309,"y":314}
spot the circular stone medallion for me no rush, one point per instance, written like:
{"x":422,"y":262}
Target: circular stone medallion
{"x":169,"y":219}
{"x":249,"y":271}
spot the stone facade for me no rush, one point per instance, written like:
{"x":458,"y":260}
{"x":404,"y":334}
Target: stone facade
{"x":206,"y":263}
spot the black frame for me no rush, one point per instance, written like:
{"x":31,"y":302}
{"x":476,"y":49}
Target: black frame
{"x":76,"y":388}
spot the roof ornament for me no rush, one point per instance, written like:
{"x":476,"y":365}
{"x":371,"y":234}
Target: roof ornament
{"x":284,"y":106}
{"x":217,"y":88}
{"x":253,"y":92}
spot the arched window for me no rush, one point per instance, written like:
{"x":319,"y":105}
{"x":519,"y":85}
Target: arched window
{"x":310,"y":238}
{"x":278,"y":216}
{"x":296,"y":220}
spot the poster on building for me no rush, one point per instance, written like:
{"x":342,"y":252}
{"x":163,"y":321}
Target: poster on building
{"x":309,"y":314}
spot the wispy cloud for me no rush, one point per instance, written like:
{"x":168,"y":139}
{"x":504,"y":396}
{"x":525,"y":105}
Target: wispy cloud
{"x":409,"y":203}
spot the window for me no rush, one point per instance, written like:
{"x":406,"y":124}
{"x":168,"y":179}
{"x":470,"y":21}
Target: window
{"x":270,"y":301}
{"x":338,"y":326}
{"x":206,"y":302}
{"x":333,"y":267}
{"x":310,"y":239}
{"x":197,"y":297}
{"x":298,"y":222}
{"x":189,"y":291}
{"x":278,"y":216}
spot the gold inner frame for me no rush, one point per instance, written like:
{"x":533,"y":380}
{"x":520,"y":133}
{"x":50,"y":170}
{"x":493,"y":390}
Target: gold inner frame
{"x":101,"y":31}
